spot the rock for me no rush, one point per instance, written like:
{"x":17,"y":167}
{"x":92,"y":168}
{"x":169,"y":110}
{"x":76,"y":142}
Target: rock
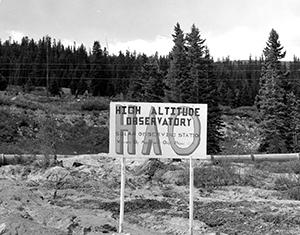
{"x":174,"y":177}
{"x":77,"y":164}
{"x":56,"y":173}
{"x":14,"y":224}
{"x":53,"y":174}
{"x":121,"y":234}
{"x":217,"y":233}
{"x":2,"y":228}
{"x":149,"y":168}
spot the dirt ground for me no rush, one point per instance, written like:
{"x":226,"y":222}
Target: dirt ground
{"x":81,"y":196}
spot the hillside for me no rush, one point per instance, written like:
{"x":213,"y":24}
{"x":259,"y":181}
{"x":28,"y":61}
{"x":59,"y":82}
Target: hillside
{"x":80,"y":195}
{"x":79,"y":126}
{"x":34,"y":123}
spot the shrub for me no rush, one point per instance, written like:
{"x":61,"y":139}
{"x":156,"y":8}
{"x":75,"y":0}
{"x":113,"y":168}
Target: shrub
{"x":16,"y":133}
{"x":29,"y":86}
{"x":280,"y":167}
{"x":8,"y":129}
{"x":222,"y":174}
{"x":3,"y":83}
{"x":94,"y":105}
{"x":49,"y":135}
{"x":20,"y":103}
{"x":243,"y":111}
{"x":10,"y":148}
{"x":225,"y":174}
{"x":81,"y":138}
{"x":285,"y":183}
{"x":5,"y":101}
{"x":294,"y":193}
{"x":290,"y":186}
{"x":54,"y":88}
{"x":27,"y":105}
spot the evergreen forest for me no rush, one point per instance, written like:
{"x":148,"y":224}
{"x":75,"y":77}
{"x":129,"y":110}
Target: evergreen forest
{"x":188,"y":74}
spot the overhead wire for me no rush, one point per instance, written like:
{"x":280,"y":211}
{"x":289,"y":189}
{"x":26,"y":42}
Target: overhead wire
{"x":132,"y":78}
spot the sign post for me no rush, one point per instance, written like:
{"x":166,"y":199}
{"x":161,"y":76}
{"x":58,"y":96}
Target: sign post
{"x":157,"y":130}
{"x":191,"y":209}
{"x":122,"y":193}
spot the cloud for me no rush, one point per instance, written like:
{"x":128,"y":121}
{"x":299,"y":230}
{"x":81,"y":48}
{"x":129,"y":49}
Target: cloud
{"x":15,"y":35}
{"x":241,"y":42}
{"x":248,"y":33}
{"x":160,"y":44}
{"x":67,"y":42}
{"x":238,"y":43}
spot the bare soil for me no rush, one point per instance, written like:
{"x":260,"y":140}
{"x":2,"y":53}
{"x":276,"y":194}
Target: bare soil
{"x":82,"y":197}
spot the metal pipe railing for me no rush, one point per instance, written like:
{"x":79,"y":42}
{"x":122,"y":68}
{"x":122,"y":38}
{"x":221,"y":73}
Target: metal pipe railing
{"x":275,"y":157}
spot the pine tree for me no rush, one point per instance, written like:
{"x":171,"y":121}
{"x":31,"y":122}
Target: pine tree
{"x":81,"y":87}
{"x":154,"y":86}
{"x":271,"y":101}
{"x":98,"y":70}
{"x":136,"y":91}
{"x":194,"y":85}
{"x":148,"y":85}
{"x":177,"y":76}
{"x":203,"y":87}
{"x":214,"y":123}
{"x":73,"y":87}
{"x":292,"y":113}
{"x":292,"y":123}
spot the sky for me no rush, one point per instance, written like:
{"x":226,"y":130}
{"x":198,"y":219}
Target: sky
{"x":234,"y":28}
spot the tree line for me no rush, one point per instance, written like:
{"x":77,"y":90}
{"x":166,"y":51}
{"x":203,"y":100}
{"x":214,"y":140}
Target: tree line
{"x":188,"y":74}
{"x":28,"y":63}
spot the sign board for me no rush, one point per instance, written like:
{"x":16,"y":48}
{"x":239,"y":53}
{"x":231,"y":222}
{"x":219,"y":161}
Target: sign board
{"x":158,"y":129}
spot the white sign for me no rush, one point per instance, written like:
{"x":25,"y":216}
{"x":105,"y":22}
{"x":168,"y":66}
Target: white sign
{"x":158,"y":129}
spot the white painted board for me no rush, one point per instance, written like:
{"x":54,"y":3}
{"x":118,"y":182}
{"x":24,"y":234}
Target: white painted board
{"x":158,"y":129}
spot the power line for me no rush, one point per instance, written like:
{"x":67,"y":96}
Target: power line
{"x":125,"y":70}
{"x":71,"y":78}
{"x":133,"y":78}
{"x":69,"y":63}
{"x":68,"y":70}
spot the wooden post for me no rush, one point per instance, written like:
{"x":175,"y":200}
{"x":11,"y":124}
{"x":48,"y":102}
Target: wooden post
{"x":191,"y":216}
{"x":122,"y":194}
